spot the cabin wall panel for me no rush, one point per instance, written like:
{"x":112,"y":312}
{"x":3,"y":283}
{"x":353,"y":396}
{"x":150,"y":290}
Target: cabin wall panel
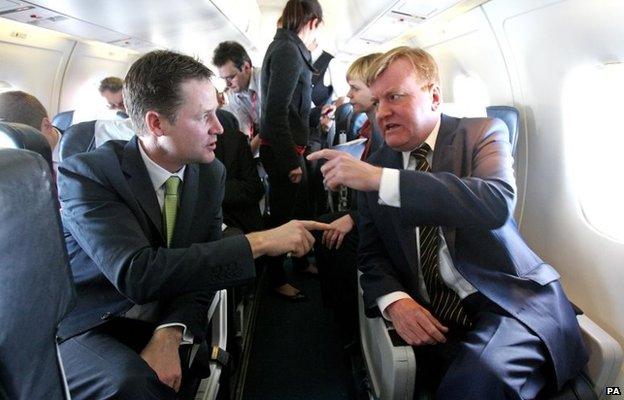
{"x":33,"y":60}
{"x":89,"y":64}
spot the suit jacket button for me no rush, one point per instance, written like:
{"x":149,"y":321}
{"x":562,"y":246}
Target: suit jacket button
{"x":105,"y":316}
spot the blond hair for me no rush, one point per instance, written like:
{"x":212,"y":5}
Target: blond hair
{"x":358,"y":70}
{"x":424,"y":65}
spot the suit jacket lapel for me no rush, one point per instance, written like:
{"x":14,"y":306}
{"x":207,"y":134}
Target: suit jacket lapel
{"x":188,"y":200}
{"x":141,"y":184}
{"x":448,"y":157}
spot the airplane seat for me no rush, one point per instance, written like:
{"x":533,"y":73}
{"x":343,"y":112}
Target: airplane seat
{"x":511,"y":117}
{"x":63,"y":120}
{"x":20,"y":136}
{"x":35,"y":280}
{"x":88,"y":135}
{"x":77,"y":138}
{"x":346,"y":121}
{"x":391,"y":364}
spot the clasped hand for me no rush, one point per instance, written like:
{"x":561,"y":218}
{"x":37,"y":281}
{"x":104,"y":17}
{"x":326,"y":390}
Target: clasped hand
{"x":415,"y":324}
{"x":162,"y":355}
{"x":343,"y":169}
{"x":339,"y":229}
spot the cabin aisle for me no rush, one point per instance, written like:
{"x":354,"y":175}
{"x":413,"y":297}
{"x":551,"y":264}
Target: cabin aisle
{"x":296,"y":351}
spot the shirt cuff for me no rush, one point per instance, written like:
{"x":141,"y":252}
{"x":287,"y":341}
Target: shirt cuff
{"x":187,"y":337}
{"x":389,"y":194}
{"x":384,"y":301}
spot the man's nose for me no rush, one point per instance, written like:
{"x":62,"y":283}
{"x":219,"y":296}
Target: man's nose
{"x":216,"y":128}
{"x":382,"y":110}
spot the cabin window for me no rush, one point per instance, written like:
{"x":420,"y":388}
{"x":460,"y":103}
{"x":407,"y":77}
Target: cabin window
{"x":470,"y":96}
{"x":593,"y":101}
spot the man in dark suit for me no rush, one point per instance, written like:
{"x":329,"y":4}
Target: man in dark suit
{"x":143,"y":223}
{"x":440,"y":253}
{"x":243,"y":188}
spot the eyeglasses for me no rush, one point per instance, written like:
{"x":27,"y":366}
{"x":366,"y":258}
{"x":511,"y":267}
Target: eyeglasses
{"x":228,"y":79}
{"x":115,"y":106}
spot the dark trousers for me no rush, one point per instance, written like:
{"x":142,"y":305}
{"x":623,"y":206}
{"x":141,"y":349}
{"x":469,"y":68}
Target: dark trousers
{"x":104,"y":363}
{"x":287,"y":201}
{"x":338,"y":277}
{"x":498,"y":358}
{"x":317,"y":197}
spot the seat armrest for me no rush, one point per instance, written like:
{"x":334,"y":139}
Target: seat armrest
{"x":217,"y":314}
{"x":605,"y":354}
{"x":390,"y":362}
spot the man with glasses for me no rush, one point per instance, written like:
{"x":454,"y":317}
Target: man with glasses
{"x":243,"y":84}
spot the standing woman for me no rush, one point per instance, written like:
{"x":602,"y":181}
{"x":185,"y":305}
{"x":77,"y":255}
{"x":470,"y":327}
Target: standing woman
{"x":286,"y":99}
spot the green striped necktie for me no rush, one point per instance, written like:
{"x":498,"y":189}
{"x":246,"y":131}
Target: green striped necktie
{"x":171,"y":205}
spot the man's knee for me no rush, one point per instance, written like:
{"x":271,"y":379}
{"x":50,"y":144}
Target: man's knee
{"x":479,"y":379}
{"x":141,"y":384}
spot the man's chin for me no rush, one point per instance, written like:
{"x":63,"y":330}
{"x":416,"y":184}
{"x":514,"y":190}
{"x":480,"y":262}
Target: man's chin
{"x":205,"y":158}
{"x":396,"y":144}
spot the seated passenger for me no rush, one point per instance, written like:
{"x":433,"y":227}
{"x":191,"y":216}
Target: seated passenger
{"x":336,"y":254}
{"x":24,"y":108}
{"x":142,"y":222}
{"x":243,"y":188}
{"x":111,"y":90}
{"x":439,"y":250}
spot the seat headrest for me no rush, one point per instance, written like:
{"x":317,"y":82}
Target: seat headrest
{"x":63,"y":120}
{"x":20,"y":136}
{"x":77,"y":138}
{"x":510,"y":116}
{"x":347,"y":121}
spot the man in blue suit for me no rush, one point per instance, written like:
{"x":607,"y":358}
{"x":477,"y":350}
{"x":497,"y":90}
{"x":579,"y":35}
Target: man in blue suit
{"x":440,"y":253}
{"x":142,"y":222}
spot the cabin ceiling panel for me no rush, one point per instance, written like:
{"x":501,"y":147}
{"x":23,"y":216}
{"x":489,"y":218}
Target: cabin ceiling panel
{"x":186,"y":25}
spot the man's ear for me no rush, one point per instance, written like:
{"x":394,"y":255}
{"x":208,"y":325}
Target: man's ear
{"x":153,"y":123}
{"x":46,"y":125}
{"x":436,"y":95}
{"x":246,"y":66}
{"x":47,"y":130}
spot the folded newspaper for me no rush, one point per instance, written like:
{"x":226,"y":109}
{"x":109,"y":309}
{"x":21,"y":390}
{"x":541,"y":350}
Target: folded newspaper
{"x":355,"y":147}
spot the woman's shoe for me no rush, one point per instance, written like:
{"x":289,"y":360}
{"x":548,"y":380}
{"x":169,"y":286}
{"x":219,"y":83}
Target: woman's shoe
{"x":290,"y":293}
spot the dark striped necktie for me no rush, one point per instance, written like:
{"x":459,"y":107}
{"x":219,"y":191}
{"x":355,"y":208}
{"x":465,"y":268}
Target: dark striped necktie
{"x":445,"y":303}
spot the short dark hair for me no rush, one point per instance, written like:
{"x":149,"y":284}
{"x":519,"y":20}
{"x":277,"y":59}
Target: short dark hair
{"x":112,"y":84}
{"x":153,"y":83}
{"x":297,"y":13}
{"x":230,"y":51}
{"x":21,"y":107}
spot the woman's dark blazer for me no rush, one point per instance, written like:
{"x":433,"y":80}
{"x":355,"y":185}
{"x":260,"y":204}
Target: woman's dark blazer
{"x":286,"y":98}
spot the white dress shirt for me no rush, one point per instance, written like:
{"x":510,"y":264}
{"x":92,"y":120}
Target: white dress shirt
{"x":158,"y":175}
{"x":390,"y":195}
{"x":241,"y":104}
{"x":112,"y":129}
